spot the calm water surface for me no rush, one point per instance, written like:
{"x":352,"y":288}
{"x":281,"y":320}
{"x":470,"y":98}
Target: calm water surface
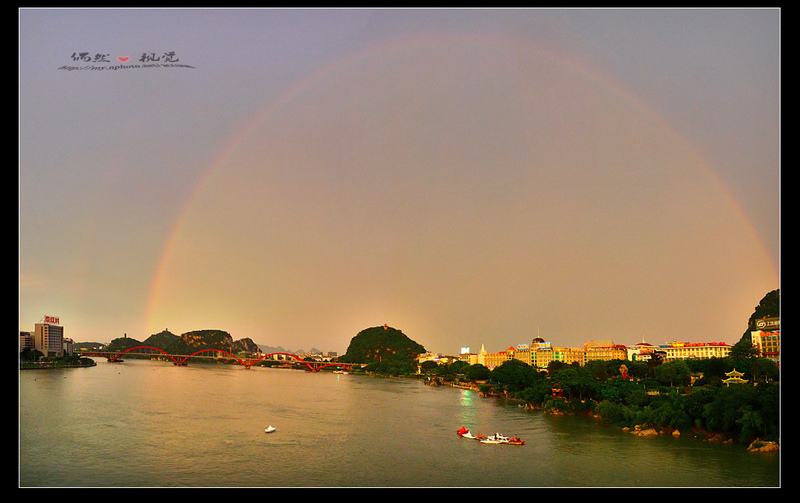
{"x":152,"y":424}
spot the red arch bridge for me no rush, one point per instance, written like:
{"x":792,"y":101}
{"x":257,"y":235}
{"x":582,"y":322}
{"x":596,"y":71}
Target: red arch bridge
{"x":312,"y":366}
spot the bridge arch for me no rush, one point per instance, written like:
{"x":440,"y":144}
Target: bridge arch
{"x":308,"y":365}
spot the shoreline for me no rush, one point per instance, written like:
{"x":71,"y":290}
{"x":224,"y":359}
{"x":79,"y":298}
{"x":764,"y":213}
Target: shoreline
{"x":48,"y":366}
{"x":643,"y":430}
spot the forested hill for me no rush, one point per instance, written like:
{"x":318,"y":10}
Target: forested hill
{"x":769,"y":306}
{"x":188,"y":342}
{"x":381,"y":344}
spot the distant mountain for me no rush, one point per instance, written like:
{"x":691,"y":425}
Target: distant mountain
{"x":188,"y":343}
{"x":281,"y":349}
{"x":272,"y":349}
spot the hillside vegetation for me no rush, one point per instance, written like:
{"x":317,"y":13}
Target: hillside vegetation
{"x":187,"y":343}
{"x":386,"y":350}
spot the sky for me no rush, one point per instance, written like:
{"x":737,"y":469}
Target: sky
{"x":469,"y":176}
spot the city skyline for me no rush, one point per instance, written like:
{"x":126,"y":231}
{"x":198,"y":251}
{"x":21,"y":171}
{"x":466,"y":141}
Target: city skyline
{"x":467,"y":176}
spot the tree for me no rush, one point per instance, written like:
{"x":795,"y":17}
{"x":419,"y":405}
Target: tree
{"x":427,"y":366}
{"x":743,"y":350}
{"x":515,"y":375}
{"x":30,"y":355}
{"x":721,"y":414}
{"x":673,"y":412}
{"x":637,"y":369}
{"x":553,"y":366}
{"x":392,"y":367}
{"x":713,"y":369}
{"x":617,"y":390}
{"x":457,"y":367}
{"x":675,"y":372}
{"x":576,"y":381}
{"x":763,"y":369}
{"x":599,"y":369}
{"x":477,"y":372}
{"x":537,"y":393}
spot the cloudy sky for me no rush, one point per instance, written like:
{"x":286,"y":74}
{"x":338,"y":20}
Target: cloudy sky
{"x":467,"y":176}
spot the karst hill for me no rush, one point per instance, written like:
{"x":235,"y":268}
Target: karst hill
{"x":381,"y":344}
{"x":187,"y":343}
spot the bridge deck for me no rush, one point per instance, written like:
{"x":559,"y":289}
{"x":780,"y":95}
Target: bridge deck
{"x":215,"y":354}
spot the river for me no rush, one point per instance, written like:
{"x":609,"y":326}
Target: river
{"x":152,"y":424}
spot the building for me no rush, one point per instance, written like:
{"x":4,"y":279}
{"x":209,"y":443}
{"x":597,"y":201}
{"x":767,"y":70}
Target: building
{"x":540,"y":353}
{"x":569,"y":355}
{"x":522,"y":353}
{"x":48,"y":337}
{"x":439,"y":358}
{"x":605,"y":350}
{"x":26,"y":341}
{"x":492,"y":360}
{"x":641,"y":352}
{"x":767,"y":339}
{"x":676,"y":350}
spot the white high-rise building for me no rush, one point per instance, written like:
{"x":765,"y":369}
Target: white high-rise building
{"x":48,"y":337}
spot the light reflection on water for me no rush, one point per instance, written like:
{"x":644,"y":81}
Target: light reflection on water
{"x":143,"y":423}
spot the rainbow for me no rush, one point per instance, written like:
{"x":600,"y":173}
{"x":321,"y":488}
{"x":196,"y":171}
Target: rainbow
{"x":414,"y":43}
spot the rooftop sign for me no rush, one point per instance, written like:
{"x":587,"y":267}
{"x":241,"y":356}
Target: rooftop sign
{"x":768,"y":323}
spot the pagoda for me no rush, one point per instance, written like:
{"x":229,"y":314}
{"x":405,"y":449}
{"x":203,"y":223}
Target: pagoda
{"x":734,"y":377}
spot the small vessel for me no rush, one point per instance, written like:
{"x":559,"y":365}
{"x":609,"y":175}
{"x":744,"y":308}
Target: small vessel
{"x":516,"y":441}
{"x":495,"y":439}
{"x":269,"y":429}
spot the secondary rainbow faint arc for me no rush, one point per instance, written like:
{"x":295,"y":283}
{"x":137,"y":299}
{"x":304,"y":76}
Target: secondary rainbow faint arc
{"x":405,"y":44}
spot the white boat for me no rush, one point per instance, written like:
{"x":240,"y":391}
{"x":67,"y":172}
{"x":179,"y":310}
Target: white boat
{"x":269,"y":429}
{"x":495,"y":439}
{"x":470,"y":435}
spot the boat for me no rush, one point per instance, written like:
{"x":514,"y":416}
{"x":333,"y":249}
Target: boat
{"x":495,"y":439}
{"x":269,"y":429}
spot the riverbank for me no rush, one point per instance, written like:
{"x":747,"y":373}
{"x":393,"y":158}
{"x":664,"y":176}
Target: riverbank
{"x":559,"y":407}
{"x":56,"y":365}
